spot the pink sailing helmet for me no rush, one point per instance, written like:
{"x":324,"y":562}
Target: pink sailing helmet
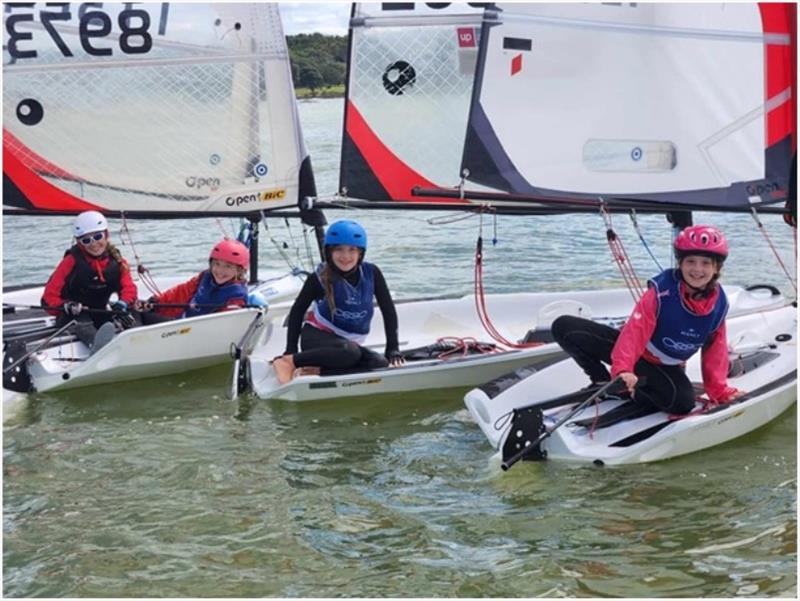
{"x":231,"y":251}
{"x":705,"y":240}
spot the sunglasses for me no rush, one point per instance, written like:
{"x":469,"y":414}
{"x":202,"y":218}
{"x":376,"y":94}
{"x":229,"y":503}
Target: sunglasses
{"x":97,"y":236}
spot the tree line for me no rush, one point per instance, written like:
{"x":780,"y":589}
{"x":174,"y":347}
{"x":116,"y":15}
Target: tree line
{"x":318,"y":61}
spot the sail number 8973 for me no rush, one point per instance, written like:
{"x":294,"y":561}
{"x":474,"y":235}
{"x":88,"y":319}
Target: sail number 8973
{"x":134,"y":35}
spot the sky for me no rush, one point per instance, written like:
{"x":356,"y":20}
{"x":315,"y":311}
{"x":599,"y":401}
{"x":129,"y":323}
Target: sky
{"x":309,"y":17}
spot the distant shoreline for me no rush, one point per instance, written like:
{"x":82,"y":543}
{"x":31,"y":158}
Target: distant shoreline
{"x":327,"y":92}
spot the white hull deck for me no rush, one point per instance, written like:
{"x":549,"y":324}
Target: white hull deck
{"x":767,"y":351}
{"x":422,"y":323}
{"x":147,"y":351}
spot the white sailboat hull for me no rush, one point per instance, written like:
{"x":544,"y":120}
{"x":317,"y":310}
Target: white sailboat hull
{"x":148,"y":351}
{"x":424,"y":322}
{"x":772,"y":384}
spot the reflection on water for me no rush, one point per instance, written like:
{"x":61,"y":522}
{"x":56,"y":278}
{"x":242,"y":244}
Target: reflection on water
{"x":163,"y":487}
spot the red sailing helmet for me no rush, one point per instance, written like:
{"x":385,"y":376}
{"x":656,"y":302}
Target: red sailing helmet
{"x":231,"y":251}
{"x":703,"y":240}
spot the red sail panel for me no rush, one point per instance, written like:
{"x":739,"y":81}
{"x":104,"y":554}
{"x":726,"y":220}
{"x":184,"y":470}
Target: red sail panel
{"x":38,"y":192}
{"x":781,"y":69}
{"x":394,"y":175}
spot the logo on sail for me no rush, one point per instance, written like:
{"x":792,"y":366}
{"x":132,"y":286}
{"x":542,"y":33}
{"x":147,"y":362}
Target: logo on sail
{"x":265,"y":196}
{"x":523,"y":44}
{"x":212,"y":183}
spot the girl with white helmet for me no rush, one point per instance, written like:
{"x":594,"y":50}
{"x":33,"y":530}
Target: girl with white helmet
{"x":340,"y":294}
{"x":90,"y":272}
{"x":682,"y":312}
{"x":222,"y":286}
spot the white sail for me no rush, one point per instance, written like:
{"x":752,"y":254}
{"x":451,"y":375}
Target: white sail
{"x":153,"y":108}
{"x":636,"y":99}
{"x":410,"y":80}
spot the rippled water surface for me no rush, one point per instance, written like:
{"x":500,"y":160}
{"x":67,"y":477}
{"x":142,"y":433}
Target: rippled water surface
{"x":163,"y":487}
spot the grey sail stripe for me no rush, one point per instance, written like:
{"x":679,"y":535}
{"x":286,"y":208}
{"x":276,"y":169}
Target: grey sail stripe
{"x":778,"y":39}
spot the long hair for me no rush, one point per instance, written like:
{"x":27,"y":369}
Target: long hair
{"x":326,"y":277}
{"x":115,"y":254}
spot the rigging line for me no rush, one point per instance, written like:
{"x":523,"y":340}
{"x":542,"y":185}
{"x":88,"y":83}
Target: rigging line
{"x":309,"y":249}
{"x":284,"y":255}
{"x":782,"y":265}
{"x":222,"y":228}
{"x":480,"y":302}
{"x":141,"y":269}
{"x":295,"y":245}
{"x":644,"y":242}
{"x":447,"y":219}
{"x":620,"y":256}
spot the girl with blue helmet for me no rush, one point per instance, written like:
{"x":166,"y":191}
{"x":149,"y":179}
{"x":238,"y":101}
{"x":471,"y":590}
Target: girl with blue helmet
{"x":340,"y":294}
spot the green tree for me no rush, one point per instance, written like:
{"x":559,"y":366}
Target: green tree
{"x":310,"y":77}
{"x":326,"y":54}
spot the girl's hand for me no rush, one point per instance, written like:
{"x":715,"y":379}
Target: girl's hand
{"x":142,"y":306}
{"x":395,"y":359}
{"x":630,"y":379}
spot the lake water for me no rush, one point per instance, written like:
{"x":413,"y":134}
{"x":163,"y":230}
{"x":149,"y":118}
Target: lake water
{"x":163,"y":488}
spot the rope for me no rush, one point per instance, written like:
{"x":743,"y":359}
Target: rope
{"x":463,"y":345}
{"x":706,"y":405}
{"x":126,"y":238}
{"x":644,"y":242}
{"x":222,"y":228}
{"x":760,"y":225}
{"x":280,"y":247}
{"x":621,"y":257}
{"x":480,"y":301}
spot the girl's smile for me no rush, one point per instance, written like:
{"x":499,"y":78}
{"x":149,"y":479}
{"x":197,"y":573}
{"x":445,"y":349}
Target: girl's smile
{"x":345,"y":257}
{"x":94,"y":243}
{"x":223,"y":272}
{"x":698,"y":270}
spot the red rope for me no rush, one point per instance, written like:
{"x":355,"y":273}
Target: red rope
{"x":480,"y":304}
{"x":706,"y":406}
{"x":464,"y":345}
{"x":620,"y":256}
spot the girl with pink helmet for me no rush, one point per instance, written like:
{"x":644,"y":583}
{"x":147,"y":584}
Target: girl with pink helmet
{"x":682,"y":312}
{"x":221,"y":287}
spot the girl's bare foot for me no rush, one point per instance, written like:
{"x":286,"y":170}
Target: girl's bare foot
{"x":284,"y":368}
{"x":306,"y":371}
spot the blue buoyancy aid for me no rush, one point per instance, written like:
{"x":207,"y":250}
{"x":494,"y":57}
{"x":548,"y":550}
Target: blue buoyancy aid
{"x":679,"y":332}
{"x":353,"y":304}
{"x":210,"y":293}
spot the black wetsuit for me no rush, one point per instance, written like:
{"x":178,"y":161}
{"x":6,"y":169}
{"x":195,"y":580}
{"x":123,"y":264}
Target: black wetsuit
{"x":328,"y":351}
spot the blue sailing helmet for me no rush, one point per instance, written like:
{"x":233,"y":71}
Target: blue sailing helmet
{"x":346,"y":232}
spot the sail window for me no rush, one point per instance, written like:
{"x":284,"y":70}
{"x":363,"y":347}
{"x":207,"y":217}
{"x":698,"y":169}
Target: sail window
{"x":646,"y":156}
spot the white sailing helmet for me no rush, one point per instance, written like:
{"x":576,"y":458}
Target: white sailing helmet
{"x":88,"y":222}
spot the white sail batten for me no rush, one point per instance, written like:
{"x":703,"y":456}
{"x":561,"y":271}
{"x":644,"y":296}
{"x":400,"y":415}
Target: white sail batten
{"x":159,"y":108}
{"x":638,"y":100}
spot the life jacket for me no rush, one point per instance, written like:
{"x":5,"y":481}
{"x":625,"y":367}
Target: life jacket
{"x":84,"y":284}
{"x":679,"y":332}
{"x":210,"y":293}
{"x":354,"y":307}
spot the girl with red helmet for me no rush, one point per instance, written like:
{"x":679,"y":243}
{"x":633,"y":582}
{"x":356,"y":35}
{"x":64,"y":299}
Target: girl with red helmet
{"x":90,"y":272}
{"x":340,"y":294}
{"x":683,"y":311}
{"x":220,"y":287}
